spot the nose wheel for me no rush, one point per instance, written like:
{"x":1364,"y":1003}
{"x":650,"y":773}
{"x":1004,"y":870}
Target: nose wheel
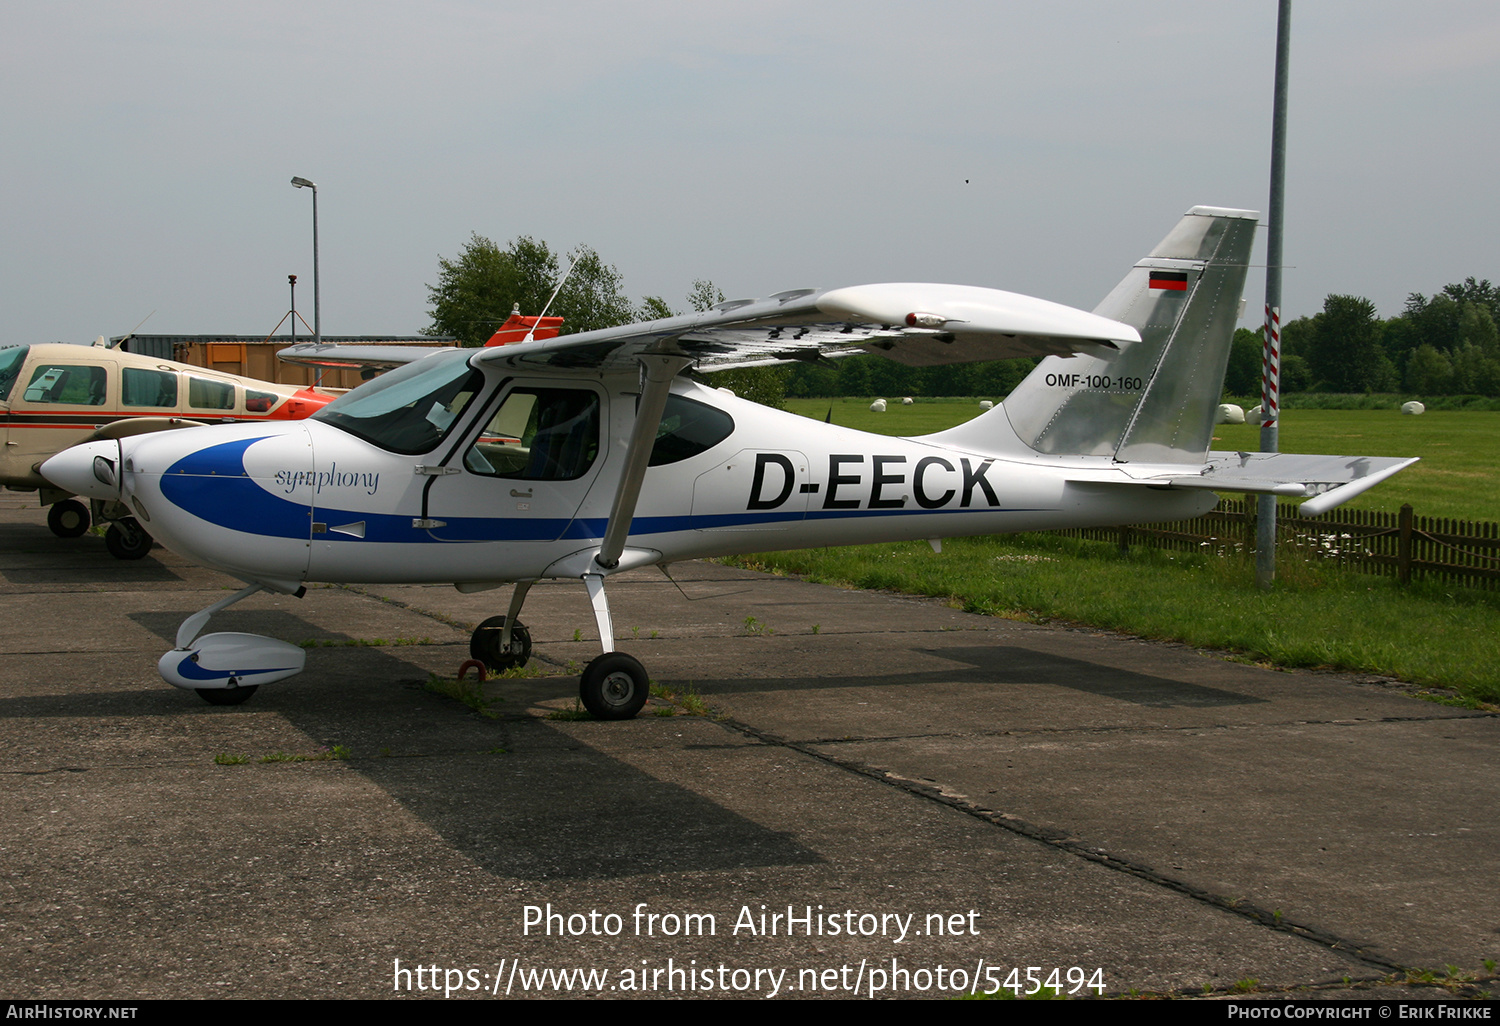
{"x":127,"y":539}
{"x":487,"y":644}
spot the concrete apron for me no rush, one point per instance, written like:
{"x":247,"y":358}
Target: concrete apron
{"x":1009,"y":796}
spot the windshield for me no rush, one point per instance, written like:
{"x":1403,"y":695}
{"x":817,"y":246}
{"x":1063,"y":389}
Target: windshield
{"x":409,"y":410}
{"x":10,"y":365}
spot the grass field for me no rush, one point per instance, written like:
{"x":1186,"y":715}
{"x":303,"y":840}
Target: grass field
{"x":1459,"y":475}
{"x":1446,"y":637}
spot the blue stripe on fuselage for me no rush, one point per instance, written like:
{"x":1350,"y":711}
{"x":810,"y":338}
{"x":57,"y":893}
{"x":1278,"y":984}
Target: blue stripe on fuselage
{"x":214,"y":485}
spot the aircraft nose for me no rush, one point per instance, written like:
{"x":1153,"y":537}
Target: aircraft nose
{"x":91,"y":469}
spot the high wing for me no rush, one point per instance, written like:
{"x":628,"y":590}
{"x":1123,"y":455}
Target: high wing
{"x":919,"y":324}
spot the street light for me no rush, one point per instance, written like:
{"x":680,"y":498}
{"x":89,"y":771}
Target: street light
{"x":303,"y":183}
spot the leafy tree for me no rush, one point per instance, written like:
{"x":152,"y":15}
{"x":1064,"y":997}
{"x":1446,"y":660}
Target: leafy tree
{"x":1246,"y":354}
{"x":591,"y":298}
{"x":1428,"y":372}
{"x":1435,"y":321}
{"x":1344,"y":352}
{"x":1476,"y":327}
{"x":476,"y":292}
{"x":704,"y":295}
{"x":654,"y":308}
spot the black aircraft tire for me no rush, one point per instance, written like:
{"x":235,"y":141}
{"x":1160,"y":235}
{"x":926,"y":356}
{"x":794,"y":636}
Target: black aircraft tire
{"x":614,"y":687}
{"x":68,"y":519}
{"x":127,"y":539}
{"x":484,"y":645}
{"x":227,"y":696}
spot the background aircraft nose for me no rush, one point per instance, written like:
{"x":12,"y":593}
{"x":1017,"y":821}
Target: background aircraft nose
{"x":91,"y":469}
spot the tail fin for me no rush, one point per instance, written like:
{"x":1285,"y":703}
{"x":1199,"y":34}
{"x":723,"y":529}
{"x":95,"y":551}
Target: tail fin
{"x":1153,"y":401}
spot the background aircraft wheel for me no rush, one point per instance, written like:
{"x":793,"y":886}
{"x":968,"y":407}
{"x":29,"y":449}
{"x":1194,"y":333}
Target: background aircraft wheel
{"x":127,"y":539}
{"x":227,"y":696}
{"x":484,"y":645}
{"x":68,"y":519}
{"x":614,"y":686}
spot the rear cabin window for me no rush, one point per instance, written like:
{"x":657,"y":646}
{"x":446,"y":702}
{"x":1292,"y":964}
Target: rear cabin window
{"x":70,"y":384}
{"x":688,"y":427}
{"x":206,"y":394}
{"x":259,"y":402}
{"x":148,"y":388}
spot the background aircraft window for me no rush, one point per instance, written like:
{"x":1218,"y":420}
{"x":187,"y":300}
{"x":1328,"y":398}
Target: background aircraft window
{"x":204,"y":394}
{"x":148,"y":388}
{"x":539,"y":434}
{"x":259,"y":402}
{"x":411,"y":409}
{"x":10,"y":366}
{"x":688,"y":427}
{"x":71,"y":383}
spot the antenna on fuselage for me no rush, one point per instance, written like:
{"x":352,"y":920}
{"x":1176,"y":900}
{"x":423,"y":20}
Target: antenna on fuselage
{"x":129,"y":334}
{"x":563,"y":281}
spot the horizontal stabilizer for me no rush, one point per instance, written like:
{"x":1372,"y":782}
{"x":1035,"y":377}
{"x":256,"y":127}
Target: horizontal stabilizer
{"x":1324,"y":481}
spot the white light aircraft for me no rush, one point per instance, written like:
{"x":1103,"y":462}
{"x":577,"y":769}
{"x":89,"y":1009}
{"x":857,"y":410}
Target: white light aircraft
{"x":589,"y":454}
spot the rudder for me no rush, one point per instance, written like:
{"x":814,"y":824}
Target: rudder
{"x":1153,"y":401}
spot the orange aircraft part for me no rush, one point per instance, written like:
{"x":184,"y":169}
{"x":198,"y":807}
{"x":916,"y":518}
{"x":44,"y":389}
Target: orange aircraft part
{"x":515,"y":328}
{"x":301,"y":403}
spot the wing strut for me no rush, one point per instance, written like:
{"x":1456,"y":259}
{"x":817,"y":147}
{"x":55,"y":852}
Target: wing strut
{"x":657,"y":372}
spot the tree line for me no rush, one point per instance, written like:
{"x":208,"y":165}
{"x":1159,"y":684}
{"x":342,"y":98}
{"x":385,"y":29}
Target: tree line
{"x":1446,"y":344}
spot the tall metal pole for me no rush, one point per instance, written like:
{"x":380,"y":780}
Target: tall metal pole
{"x":303,"y":183}
{"x":1270,"y":399}
{"x":317,"y":297}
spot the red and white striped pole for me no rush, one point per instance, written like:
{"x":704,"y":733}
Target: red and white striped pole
{"x":1270,"y":377}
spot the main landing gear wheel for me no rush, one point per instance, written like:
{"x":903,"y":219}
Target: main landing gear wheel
{"x":68,"y":519}
{"x":484,"y":645}
{"x":614,"y":686}
{"x":127,"y":539}
{"x":227,"y":696}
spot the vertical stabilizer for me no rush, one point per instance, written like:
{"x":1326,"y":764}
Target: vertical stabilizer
{"x":1155,"y":400}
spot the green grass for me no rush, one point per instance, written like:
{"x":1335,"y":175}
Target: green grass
{"x":1315,"y":617}
{"x":1459,"y":475}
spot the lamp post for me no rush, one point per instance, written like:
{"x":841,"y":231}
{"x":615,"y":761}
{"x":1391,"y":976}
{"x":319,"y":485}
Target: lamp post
{"x":303,"y":183}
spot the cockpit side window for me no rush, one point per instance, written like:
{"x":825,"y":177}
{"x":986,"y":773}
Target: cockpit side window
{"x":10,"y":366}
{"x":539,"y":434}
{"x":70,"y":384}
{"x":688,"y":427}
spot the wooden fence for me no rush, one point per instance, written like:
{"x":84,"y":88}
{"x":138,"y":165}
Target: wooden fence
{"x":1392,"y":544}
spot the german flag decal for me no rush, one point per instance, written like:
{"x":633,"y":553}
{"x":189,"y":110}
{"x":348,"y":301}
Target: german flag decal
{"x":1175,"y":281}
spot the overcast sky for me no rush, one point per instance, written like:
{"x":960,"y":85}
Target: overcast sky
{"x":764,"y":145}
